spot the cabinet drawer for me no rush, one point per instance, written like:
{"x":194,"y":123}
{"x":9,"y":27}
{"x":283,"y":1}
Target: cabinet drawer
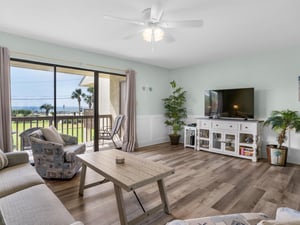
{"x":205,"y":124}
{"x":224,"y":125}
{"x":250,"y":127}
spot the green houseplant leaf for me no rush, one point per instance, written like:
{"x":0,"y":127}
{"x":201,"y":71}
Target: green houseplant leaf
{"x":282,"y":121}
{"x":175,"y":110}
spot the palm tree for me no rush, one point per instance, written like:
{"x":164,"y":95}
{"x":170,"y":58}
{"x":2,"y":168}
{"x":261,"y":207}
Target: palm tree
{"x":89,"y":99}
{"x":47,"y":108}
{"x":77,"y":94}
{"x":282,"y":121}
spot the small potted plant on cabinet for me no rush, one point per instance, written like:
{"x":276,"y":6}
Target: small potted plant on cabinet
{"x":281,"y":122}
{"x":175,"y":111}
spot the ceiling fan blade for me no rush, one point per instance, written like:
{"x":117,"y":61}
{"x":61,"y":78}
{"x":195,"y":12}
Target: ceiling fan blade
{"x":182,"y":24}
{"x":156,"y":12}
{"x":168,"y":37}
{"x":123,"y":20}
{"x":132,"y":35}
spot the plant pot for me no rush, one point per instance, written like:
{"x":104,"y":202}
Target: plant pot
{"x":268,"y":148}
{"x":277,"y":156}
{"x":174,"y":139}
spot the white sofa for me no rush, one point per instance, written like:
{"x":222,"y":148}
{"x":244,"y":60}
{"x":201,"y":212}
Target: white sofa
{"x":284,"y":216}
{"x":25,"y":199}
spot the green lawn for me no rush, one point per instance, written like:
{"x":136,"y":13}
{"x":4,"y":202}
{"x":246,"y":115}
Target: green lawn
{"x":75,"y":129}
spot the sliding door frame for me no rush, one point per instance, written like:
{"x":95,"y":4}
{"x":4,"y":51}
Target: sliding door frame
{"x":96,"y":91}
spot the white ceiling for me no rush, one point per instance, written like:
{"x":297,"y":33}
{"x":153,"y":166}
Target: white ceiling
{"x":231,"y":27}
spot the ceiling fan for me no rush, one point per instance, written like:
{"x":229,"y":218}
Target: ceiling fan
{"x":153,"y":27}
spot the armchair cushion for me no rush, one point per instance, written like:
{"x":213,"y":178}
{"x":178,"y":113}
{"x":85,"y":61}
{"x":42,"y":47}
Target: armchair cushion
{"x":52,"y":135}
{"x":69,"y":140}
{"x":72,"y":150}
{"x":53,"y":160}
{"x":3,"y":160}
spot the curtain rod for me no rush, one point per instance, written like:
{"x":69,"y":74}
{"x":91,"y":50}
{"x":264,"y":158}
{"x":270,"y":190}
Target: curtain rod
{"x":67,"y":61}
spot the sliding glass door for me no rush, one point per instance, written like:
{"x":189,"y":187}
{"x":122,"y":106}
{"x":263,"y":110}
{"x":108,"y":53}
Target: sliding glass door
{"x":76,"y":101}
{"x":32,"y":98}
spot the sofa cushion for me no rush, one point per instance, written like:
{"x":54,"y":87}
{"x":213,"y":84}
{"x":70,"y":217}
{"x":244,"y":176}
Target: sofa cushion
{"x":3,"y":160}
{"x":72,"y":150}
{"x":16,"y":178}
{"x":15,"y":158}
{"x":52,"y":135}
{"x":36,"y":205}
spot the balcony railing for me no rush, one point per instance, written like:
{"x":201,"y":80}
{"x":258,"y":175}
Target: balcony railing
{"x":79,"y":126}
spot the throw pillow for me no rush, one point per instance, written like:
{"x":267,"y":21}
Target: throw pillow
{"x":274,"y":222}
{"x":284,"y":214}
{"x":52,"y":135}
{"x":3,"y":160}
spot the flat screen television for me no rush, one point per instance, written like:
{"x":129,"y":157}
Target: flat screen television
{"x":230,"y":103}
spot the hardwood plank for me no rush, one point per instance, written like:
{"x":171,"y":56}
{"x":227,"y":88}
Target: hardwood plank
{"x":204,"y":184}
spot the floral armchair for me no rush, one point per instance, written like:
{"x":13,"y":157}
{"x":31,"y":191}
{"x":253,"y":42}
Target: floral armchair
{"x":53,"y":160}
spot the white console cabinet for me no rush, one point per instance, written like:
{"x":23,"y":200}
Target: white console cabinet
{"x":238,"y":138}
{"x":190,"y":136}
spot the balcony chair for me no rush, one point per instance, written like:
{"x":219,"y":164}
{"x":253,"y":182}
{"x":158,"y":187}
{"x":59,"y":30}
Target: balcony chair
{"x":25,"y":140}
{"x":56,"y":160}
{"x":110,"y":134}
{"x":26,"y":144}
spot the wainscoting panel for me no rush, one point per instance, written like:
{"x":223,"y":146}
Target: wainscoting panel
{"x":151,"y":130}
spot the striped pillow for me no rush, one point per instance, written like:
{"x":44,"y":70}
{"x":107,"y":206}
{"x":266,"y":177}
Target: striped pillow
{"x":3,"y":160}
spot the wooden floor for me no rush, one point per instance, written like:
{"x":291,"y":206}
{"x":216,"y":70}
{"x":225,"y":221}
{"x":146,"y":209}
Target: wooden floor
{"x":204,"y":184}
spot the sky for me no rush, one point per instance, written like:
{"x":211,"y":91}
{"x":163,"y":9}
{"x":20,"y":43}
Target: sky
{"x":36,"y":87}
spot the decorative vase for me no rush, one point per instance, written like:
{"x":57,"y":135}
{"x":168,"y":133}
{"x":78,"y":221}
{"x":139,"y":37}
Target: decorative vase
{"x":174,"y":139}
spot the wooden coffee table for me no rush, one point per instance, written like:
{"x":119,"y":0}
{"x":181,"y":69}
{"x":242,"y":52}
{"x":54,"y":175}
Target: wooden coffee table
{"x":134,"y":173}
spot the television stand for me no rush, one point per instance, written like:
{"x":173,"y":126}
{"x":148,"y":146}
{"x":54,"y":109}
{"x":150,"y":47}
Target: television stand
{"x":239,"y":138}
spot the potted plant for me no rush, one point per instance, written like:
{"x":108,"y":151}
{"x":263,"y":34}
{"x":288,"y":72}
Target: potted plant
{"x":281,"y":122}
{"x":175,"y":111}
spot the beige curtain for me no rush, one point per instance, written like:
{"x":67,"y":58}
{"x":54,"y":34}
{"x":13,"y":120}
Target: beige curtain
{"x":5,"y":105}
{"x":129,"y":137}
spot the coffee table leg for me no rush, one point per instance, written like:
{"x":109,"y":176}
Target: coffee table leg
{"x":163,"y":196}
{"x":121,"y":205}
{"x":82,"y":179}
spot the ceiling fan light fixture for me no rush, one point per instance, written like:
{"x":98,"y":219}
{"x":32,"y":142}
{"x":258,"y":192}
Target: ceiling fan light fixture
{"x":153,"y":34}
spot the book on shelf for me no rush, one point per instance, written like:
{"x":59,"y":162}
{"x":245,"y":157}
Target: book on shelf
{"x":246,"y":151}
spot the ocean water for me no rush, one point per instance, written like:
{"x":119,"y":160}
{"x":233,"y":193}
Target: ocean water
{"x":66,"y":109}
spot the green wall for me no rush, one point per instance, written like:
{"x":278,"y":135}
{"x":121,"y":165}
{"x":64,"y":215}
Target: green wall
{"x":274,"y":76}
{"x":147,"y":102}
